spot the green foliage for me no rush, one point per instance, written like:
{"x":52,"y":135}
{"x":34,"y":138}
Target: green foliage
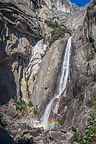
{"x":30,"y":104}
{"x":92,"y":102}
{"x":74,"y":129}
{"x":53,"y":39}
{"x":91,"y":53}
{"x":75,"y":138}
{"x":34,"y":77}
{"x":35,"y":110}
{"x":20,"y":105}
{"x":89,"y":134}
{"x":22,"y":113}
{"x":58,"y":32}
{"x":81,"y":97}
{"x":93,"y":77}
{"x":1,"y":14}
{"x":15,"y":99}
{"x":52,"y":24}
{"x":3,"y":123}
{"x":89,"y":103}
{"x":22,"y":102}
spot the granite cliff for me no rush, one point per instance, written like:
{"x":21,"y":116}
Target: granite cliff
{"x":33,"y":38}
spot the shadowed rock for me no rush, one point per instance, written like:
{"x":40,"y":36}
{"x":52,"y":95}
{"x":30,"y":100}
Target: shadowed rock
{"x":5,"y":138}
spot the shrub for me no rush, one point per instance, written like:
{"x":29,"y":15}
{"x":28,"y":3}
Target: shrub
{"x":81,"y":97}
{"x":30,"y":104}
{"x":89,"y":103}
{"x":22,"y":113}
{"x":34,"y":77}
{"x":74,"y":129}
{"x":53,"y":39}
{"x":57,"y":33}
{"x":18,"y":107}
{"x":91,"y":53}
{"x":3,"y":123}
{"x":89,"y":137}
{"x":1,"y":14}
{"x":94,"y":76}
{"x":89,"y":134}
{"x":15,"y":99}
{"x":22,"y":102}
{"x":92,"y":102}
{"x":75,"y":138}
{"x":35,"y":110}
{"x":52,"y":24}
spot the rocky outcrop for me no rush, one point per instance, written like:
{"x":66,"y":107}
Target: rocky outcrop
{"x":22,"y":46}
{"x":24,"y":21}
{"x":77,"y":19}
{"x":62,"y":8}
{"x":19,"y":32}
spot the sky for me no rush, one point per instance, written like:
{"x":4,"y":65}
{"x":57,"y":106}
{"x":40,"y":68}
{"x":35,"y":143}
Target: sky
{"x":80,"y":3}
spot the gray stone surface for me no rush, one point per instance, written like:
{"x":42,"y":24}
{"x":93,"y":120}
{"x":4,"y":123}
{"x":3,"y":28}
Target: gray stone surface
{"x":63,"y":9}
{"x":92,"y":65}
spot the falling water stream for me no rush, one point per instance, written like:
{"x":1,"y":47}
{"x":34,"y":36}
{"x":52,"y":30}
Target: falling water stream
{"x":63,"y":83}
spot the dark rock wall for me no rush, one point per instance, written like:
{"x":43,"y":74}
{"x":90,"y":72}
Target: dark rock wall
{"x":7,"y":82}
{"x":19,"y":31}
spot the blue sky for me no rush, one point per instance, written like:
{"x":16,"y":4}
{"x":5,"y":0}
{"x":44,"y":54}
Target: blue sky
{"x":80,"y":3}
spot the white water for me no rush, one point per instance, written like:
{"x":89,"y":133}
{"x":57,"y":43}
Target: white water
{"x":63,"y":83}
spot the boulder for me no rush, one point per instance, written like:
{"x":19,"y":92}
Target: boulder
{"x":11,"y":110}
{"x":58,"y":136}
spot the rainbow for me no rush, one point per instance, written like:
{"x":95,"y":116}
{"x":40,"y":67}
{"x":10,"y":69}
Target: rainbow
{"x":50,"y":126}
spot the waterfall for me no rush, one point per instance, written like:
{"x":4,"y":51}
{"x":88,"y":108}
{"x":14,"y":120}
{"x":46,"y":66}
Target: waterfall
{"x":63,"y":83}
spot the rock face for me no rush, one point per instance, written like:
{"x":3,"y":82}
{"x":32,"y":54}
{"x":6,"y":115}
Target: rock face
{"x":22,"y":46}
{"x":30,"y":69}
{"x":19,"y":32}
{"x":62,"y":8}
